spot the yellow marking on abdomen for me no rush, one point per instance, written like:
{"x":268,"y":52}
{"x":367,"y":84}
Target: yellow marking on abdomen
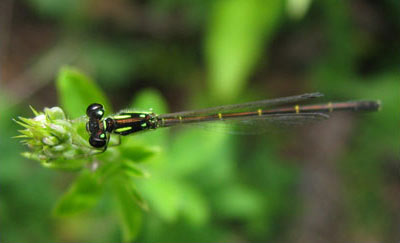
{"x":259,"y":111}
{"x":330,"y":106}
{"x":220,"y":116}
{"x":122,"y":116}
{"x":297,"y":109}
{"x":123,"y":129}
{"x":180,"y":118}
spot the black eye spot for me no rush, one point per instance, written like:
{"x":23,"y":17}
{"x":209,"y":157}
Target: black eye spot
{"x":97,"y":142}
{"x":95,"y":111}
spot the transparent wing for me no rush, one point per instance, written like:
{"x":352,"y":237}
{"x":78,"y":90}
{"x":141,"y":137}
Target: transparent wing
{"x":245,"y":106}
{"x":259,"y":124}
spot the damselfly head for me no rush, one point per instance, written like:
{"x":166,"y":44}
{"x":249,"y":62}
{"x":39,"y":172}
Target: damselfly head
{"x":92,"y":126}
{"x":95,"y":126}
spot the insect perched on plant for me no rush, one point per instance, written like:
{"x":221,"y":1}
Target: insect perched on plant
{"x":280,"y":111}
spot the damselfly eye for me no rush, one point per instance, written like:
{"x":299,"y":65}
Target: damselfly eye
{"x":95,"y":111}
{"x":97,"y":142}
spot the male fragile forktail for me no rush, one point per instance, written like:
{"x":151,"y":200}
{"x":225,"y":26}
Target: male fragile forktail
{"x":280,"y":111}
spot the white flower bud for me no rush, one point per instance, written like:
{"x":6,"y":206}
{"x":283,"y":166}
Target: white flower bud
{"x":50,"y":140}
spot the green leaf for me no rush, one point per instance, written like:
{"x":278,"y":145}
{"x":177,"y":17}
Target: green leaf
{"x":138,"y":152}
{"x":194,"y":206}
{"x":297,"y":8}
{"x":151,"y":99}
{"x":129,"y":214}
{"x":163,"y":196}
{"x":132,"y":170}
{"x":239,"y":202}
{"x":201,"y":147}
{"x":110,"y":61}
{"x":238,"y":32}
{"x":61,"y":9}
{"x":82,"y":195}
{"x":77,"y":91}
{"x":135,"y":195}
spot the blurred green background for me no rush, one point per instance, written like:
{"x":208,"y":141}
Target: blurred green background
{"x":336,"y":181}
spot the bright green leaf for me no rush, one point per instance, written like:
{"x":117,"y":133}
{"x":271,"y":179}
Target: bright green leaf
{"x":163,"y":196}
{"x":77,"y":91}
{"x":150,"y":99}
{"x":109,"y":170}
{"x":238,"y":32}
{"x":194,"y":206}
{"x":62,"y":9}
{"x":137,"y":152}
{"x":129,"y":214}
{"x":297,"y":8}
{"x":240,"y":202}
{"x":146,"y":100}
{"x":201,"y":147}
{"x":82,"y":195}
{"x":131,"y":169}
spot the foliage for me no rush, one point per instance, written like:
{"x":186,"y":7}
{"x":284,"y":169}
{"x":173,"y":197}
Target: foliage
{"x":237,"y":34}
{"x":187,"y":185}
{"x":60,"y":143}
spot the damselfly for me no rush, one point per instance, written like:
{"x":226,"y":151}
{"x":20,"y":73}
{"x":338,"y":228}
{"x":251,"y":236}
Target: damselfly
{"x":280,"y":111}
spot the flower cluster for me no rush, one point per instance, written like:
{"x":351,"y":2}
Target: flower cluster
{"x":53,"y":139}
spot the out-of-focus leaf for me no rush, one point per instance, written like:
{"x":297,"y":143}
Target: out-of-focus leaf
{"x":138,"y":152}
{"x":163,"y":196}
{"x":129,"y":214}
{"x":297,"y":8}
{"x":171,"y":197}
{"x":194,"y":206}
{"x":131,"y":169}
{"x":110,"y":61}
{"x":150,"y":99}
{"x":77,"y":91}
{"x":238,"y":32}
{"x":145,"y":100}
{"x":193,"y":150}
{"x":12,"y":166}
{"x":82,"y":195}
{"x":239,"y":202}
{"x":135,"y":195}
{"x":60,"y":9}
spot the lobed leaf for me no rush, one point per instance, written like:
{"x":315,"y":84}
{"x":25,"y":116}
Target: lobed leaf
{"x":238,"y":32}
{"x":82,"y":195}
{"x":138,"y":152}
{"x":131,"y":169}
{"x":129,"y":214}
{"x":77,"y":91}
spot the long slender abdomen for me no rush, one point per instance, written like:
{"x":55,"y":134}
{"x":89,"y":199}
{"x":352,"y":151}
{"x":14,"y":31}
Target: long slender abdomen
{"x":296,"y":109}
